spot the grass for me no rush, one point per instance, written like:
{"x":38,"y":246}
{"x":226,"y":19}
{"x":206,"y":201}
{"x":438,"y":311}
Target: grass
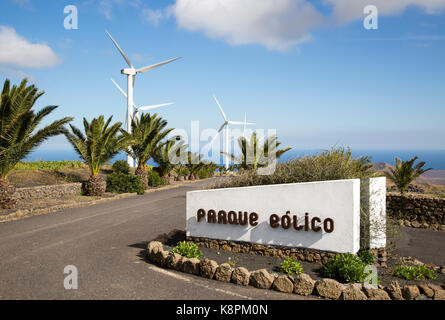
{"x":49,"y":165}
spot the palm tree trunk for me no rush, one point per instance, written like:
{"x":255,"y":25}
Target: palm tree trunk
{"x":142,"y":173}
{"x":7,"y":198}
{"x":94,"y":186}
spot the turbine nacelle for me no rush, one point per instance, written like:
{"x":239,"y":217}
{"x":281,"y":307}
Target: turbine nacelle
{"x":129,"y":71}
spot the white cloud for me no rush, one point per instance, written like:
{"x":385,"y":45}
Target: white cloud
{"x":22,"y":3}
{"x":277,"y":24}
{"x":16,"y":50}
{"x":345,"y":11}
{"x":153,"y":16}
{"x":106,"y":7}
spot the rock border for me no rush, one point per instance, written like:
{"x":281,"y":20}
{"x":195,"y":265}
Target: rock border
{"x":301,"y":284}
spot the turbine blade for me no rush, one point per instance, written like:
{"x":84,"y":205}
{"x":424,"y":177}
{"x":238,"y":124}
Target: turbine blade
{"x":154,"y":66}
{"x":220,"y":108}
{"x":120,"y":50}
{"x":122,"y":91}
{"x":221,"y":128}
{"x":217,"y":134}
{"x":154,"y":106}
{"x":240,"y":122}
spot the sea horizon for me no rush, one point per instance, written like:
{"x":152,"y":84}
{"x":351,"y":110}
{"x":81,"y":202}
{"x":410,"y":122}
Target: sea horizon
{"x":434,"y":158}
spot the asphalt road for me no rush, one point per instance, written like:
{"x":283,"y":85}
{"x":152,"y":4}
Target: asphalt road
{"x":105,"y":242}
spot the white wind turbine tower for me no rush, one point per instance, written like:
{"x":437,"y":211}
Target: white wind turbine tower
{"x":226,"y":126}
{"x":131,"y":72}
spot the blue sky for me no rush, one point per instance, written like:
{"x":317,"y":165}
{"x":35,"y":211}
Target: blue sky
{"x":308,"y":69}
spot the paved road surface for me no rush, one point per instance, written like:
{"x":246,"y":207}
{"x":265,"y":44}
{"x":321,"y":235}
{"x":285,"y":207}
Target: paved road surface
{"x":104,"y":242}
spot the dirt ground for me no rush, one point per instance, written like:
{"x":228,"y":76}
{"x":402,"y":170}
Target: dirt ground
{"x":256,"y":262}
{"x":33,"y":178}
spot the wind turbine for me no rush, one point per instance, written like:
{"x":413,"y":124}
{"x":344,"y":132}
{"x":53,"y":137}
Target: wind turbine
{"x":131,"y":72}
{"x":226,"y":126}
{"x":141,"y":108}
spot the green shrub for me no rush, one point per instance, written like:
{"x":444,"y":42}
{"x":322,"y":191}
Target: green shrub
{"x":414,"y":272}
{"x":345,"y":267}
{"x":187,"y":249}
{"x":366,"y":256}
{"x":121,"y":166}
{"x":154,"y":179}
{"x":333,"y":164}
{"x":290,"y":266}
{"x":183,"y":171}
{"x":124,"y":183}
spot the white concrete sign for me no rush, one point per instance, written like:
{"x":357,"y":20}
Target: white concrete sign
{"x":316,"y":215}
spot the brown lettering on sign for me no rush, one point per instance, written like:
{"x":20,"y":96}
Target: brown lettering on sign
{"x":306,"y":221}
{"x":253,"y":218}
{"x":242,"y":218}
{"x":285,"y":221}
{"x":314,"y":227}
{"x":201,"y":214}
{"x":328,"y":225}
{"x":232,"y":217}
{"x":211,"y":216}
{"x":273,"y":221}
{"x":222,"y":217}
{"x":295,"y":223}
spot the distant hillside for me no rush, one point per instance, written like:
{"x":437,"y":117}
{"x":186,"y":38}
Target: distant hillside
{"x":436,"y":177}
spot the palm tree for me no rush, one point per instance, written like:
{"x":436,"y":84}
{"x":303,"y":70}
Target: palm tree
{"x":253,"y":154}
{"x":18,"y":131}
{"x":145,"y":137}
{"x":194,"y":164}
{"x":100,"y":143}
{"x":164,"y":153}
{"x":404,"y":173}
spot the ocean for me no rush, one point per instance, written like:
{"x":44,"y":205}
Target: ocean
{"x":434,"y":158}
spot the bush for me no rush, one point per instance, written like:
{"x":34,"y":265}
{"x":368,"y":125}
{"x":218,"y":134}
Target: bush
{"x":333,"y":164}
{"x":183,"y":171}
{"x":187,"y":249}
{"x":124,"y":183}
{"x":290,"y":266}
{"x":154,"y":179}
{"x":413,"y":272}
{"x":345,"y":268}
{"x":121,"y":166}
{"x":366,"y":256}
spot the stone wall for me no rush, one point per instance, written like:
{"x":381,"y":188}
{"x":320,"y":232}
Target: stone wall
{"x":52,"y":191}
{"x":302,"y":254}
{"x":419,"y":211}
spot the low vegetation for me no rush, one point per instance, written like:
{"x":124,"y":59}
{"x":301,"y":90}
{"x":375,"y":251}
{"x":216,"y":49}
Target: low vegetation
{"x":408,"y":272}
{"x":48,"y":165}
{"x":121,"y":166}
{"x":334,"y":164}
{"x":118,"y":182}
{"x":290,"y":266}
{"x":346,"y":268}
{"x":187,"y":249}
